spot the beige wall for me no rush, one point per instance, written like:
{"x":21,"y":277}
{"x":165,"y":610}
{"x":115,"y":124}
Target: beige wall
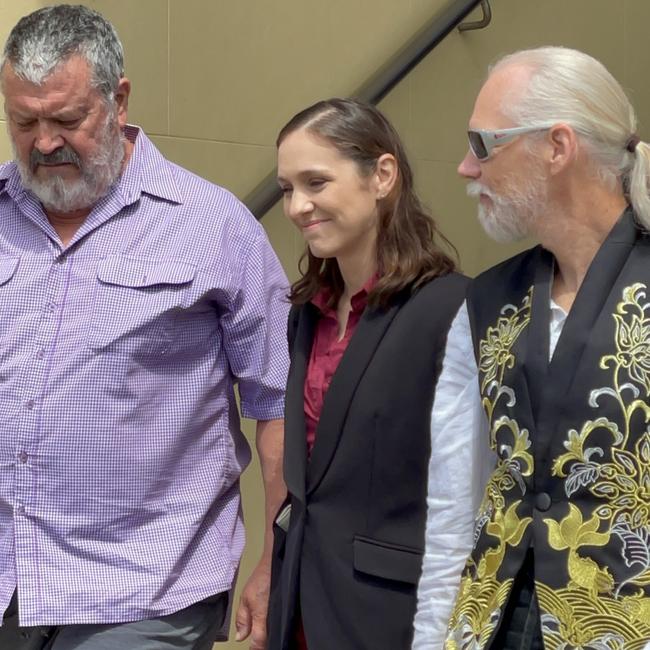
{"x":213,"y":80}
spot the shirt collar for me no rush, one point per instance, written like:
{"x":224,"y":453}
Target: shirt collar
{"x":358,"y":301}
{"x":10,"y":180}
{"x":146,"y":172}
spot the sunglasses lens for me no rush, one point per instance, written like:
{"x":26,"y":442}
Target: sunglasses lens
{"x":477,"y":145}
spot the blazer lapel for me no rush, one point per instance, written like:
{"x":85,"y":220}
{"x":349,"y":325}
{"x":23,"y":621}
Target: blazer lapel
{"x":295,"y":442}
{"x":370,"y":330}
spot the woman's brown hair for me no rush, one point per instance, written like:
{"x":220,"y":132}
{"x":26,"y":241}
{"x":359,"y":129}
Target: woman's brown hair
{"x":408,"y":252}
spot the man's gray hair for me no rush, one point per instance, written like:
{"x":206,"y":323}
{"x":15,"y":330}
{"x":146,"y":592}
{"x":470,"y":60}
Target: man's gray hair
{"x":47,"y":37}
{"x":572,"y":87}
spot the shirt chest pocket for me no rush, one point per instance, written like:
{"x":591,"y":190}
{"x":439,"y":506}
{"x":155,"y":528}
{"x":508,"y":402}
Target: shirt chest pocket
{"x":8,"y":266}
{"x":137,"y":302}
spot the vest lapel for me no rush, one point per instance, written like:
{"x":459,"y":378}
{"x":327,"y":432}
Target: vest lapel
{"x":367,"y":336}
{"x":600,"y":281}
{"x":295,"y":442}
{"x":535,"y":357}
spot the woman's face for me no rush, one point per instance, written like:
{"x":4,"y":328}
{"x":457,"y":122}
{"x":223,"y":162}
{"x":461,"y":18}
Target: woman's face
{"x":333,"y":205}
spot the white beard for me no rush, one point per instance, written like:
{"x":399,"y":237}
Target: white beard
{"x":98,"y":173}
{"x":510,"y":218}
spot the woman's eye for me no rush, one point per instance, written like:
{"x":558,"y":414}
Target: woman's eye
{"x":317,"y":183}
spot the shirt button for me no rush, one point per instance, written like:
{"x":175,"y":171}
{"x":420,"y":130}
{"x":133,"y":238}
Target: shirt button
{"x":61,"y":260}
{"x":22,"y":457}
{"x":40,"y":353}
{"x":50,"y":307}
{"x":543,"y":501}
{"x":29,"y":404}
{"x":20,"y":509}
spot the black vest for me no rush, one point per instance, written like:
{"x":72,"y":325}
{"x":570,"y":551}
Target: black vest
{"x":573,"y":441}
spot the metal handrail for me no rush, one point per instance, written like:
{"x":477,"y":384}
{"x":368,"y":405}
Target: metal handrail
{"x":478,"y":24}
{"x":267,"y":193}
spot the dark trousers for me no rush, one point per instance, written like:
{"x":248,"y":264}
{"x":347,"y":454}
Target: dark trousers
{"x":520,"y":626}
{"x":192,"y":628}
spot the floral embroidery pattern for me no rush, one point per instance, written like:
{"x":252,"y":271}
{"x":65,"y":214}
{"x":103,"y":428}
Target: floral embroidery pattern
{"x":633,"y":337}
{"x":615,"y":470}
{"x":495,"y":351}
{"x":481,"y":595}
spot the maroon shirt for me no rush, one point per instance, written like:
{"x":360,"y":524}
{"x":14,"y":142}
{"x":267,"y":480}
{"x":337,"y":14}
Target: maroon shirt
{"x":327,"y":351}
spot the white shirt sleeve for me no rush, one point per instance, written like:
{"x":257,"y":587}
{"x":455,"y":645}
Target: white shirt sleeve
{"x":461,"y":461}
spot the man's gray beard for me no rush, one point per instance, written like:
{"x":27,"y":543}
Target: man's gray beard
{"x":510,"y":219}
{"x":98,"y":174}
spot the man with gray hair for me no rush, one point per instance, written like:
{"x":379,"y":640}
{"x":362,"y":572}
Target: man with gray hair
{"x":548,"y":362}
{"x":134,"y":296}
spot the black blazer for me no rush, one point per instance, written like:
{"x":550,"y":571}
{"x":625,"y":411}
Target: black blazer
{"x":351,"y":558}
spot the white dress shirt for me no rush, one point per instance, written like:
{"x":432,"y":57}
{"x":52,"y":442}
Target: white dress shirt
{"x":461,"y":462}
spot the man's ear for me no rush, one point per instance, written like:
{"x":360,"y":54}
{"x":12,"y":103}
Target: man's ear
{"x":122,"y":100}
{"x":385,"y":175}
{"x":563,"y":149}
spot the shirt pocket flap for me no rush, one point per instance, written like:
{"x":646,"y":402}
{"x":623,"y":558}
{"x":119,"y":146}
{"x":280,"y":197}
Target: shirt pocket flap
{"x":8,"y":266}
{"x":135,"y":273}
{"x":385,"y":560}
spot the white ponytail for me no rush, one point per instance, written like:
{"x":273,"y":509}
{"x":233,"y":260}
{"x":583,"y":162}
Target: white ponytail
{"x":574,"y":88}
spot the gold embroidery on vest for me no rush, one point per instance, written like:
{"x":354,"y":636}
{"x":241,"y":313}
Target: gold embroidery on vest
{"x":593,"y":610}
{"x":572,"y":533}
{"x":481,"y":595}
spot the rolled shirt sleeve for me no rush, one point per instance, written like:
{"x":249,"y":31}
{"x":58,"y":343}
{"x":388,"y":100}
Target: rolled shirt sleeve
{"x":461,"y":461}
{"x":255,"y":331}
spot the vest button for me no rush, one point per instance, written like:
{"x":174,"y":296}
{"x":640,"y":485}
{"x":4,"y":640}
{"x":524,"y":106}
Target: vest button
{"x":543,"y":501}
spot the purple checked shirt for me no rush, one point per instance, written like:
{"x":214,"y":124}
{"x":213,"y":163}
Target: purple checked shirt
{"x":120,"y":440}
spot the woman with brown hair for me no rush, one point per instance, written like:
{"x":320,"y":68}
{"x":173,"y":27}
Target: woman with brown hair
{"x":366,"y":333}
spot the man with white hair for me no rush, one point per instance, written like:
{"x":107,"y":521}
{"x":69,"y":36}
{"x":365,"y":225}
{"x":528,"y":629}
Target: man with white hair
{"x":135,"y":296}
{"x":548,"y":361}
